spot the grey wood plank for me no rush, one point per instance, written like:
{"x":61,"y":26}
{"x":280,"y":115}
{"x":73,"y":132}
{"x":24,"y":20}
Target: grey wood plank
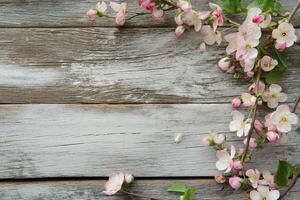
{"x":96,"y":140}
{"x":70,"y":13}
{"x":108,"y":65}
{"x":92,"y":190}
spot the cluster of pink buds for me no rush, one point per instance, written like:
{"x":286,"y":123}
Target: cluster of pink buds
{"x":150,"y":5}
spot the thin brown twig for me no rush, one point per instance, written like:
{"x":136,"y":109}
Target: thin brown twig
{"x":294,"y":11}
{"x":296,"y":104}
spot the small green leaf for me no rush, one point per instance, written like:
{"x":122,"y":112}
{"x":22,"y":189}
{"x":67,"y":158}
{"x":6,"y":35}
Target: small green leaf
{"x":232,"y":6}
{"x":177,"y":187}
{"x":189,"y":193}
{"x":266,"y":5}
{"x":285,"y":170}
{"x":274,"y":76}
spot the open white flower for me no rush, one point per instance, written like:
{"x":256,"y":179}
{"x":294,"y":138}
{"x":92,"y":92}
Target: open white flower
{"x":114,"y":184}
{"x":193,"y":18}
{"x":238,"y":124}
{"x":267,"y":63}
{"x":285,"y":33}
{"x":263,"y":193}
{"x":283,"y":119}
{"x":209,"y":36}
{"x":225,"y":161}
{"x":254,"y":176}
{"x":101,"y":7}
{"x":274,"y":95}
{"x":248,"y":99}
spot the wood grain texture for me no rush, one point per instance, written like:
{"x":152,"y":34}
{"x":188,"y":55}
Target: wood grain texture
{"x":108,"y":65}
{"x":72,"y":13}
{"x":96,"y":140}
{"x":92,"y":190}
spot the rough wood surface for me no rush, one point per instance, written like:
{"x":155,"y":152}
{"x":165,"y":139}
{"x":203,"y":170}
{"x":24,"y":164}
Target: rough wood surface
{"x":107,"y":65}
{"x":92,"y":190}
{"x":72,"y":13}
{"x":96,"y":140}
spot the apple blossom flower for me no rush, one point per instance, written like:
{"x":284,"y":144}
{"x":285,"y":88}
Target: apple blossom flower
{"x":120,"y":9}
{"x":247,"y":64}
{"x":157,"y":13}
{"x":224,"y":64}
{"x":185,"y":5}
{"x":232,"y":42}
{"x":220,"y":179}
{"x":202,"y":47}
{"x":235,"y":182}
{"x":248,"y":99}
{"x":274,"y":95}
{"x":129,"y":178}
{"x":217,"y":15}
{"x":285,"y":33}
{"x":178,"y":137}
{"x":267,"y":63}
{"x":209,"y":36}
{"x":193,"y":19}
{"x":238,"y":124}
{"x":147,"y":4}
{"x":252,"y":143}
{"x":101,"y":8}
{"x":246,"y":48}
{"x":91,"y":14}
{"x":258,"y":126}
{"x":236,"y":102}
{"x":225,"y":161}
{"x":237,"y":165}
{"x":254,"y":176}
{"x":179,"y":31}
{"x":212,"y":139}
{"x":266,"y":22}
{"x":272,"y":136}
{"x":263,"y":193}
{"x":250,"y":31}
{"x":114,"y":184}
{"x":283,"y":119}
{"x":254,"y":16}
{"x":268,"y":179}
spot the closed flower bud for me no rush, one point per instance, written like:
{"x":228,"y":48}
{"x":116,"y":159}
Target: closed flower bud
{"x":219,"y":138}
{"x":272,"y":136}
{"x":224,"y":64}
{"x":179,"y":31}
{"x":129,"y":178}
{"x":237,"y":165}
{"x":220,"y":179}
{"x":236,"y":102}
{"x":91,"y":14}
{"x":258,"y":126}
{"x":235,"y":182}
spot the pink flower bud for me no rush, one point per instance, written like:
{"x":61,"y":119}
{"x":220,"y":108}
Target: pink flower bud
{"x":91,"y":14}
{"x":236,"y":102}
{"x":237,"y":165}
{"x":257,"y":19}
{"x":258,"y":126}
{"x":272,"y":136}
{"x":252,"y":143}
{"x":220,"y":179}
{"x":205,"y":141}
{"x":250,"y":74}
{"x":120,"y":18}
{"x":224,"y":64}
{"x":235,"y":182}
{"x":280,"y":46}
{"x":219,"y":139}
{"x":179,"y":31}
{"x":157,"y":14}
{"x":272,"y":128}
{"x":129,"y":178}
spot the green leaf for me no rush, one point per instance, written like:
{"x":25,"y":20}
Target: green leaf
{"x":232,"y":6}
{"x":285,"y":170}
{"x":274,"y":76}
{"x":177,"y":187}
{"x":189,"y":193}
{"x":266,"y":5}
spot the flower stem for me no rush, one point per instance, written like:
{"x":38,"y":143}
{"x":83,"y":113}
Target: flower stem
{"x":292,"y":183}
{"x":253,"y":117}
{"x":294,"y":11}
{"x":140,"y":195}
{"x":296,"y":104}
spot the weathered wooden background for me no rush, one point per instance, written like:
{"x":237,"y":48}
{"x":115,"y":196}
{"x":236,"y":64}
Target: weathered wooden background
{"x":82,"y":99}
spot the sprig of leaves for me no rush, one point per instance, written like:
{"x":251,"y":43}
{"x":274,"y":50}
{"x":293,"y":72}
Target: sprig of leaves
{"x":285,"y":171}
{"x":232,"y":6}
{"x":184,"y":192}
{"x":266,"y":5}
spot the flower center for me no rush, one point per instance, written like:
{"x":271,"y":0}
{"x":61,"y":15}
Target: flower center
{"x":274,"y":96}
{"x":248,"y":46}
{"x":284,"y":120}
{"x":264,"y":198}
{"x":283,"y":34}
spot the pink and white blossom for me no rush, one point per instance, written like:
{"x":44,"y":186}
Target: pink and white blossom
{"x":225,"y":161}
{"x":120,"y":9}
{"x":254,"y":176}
{"x":248,"y":99}
{"x":236,"y":102}
{"x":261,"y":87}
{"x":213,"y":138}
{"x":91,"y":14}
{"x":268,"y":179}
{"x":274,"y":95}
{"x":285,"y":33}
{"x":283,"y":119}
{"x":157,"y":13}
{"x":220,"y":179}
{"x":239,"y":125}
{"x":267,"y":63}
{"x":114,"y":184}
{"x":264,"y":193}
{"x":185,"y":5}
{"x":193,"y":19}
{"x":235,"y":182}
{"x":101,"y":8}
{"x":272,"y":136}
{"x":258,"y":126}
{"x":237,"y":165}
{"x":209,"y":36}
{"x":224,"y":64}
